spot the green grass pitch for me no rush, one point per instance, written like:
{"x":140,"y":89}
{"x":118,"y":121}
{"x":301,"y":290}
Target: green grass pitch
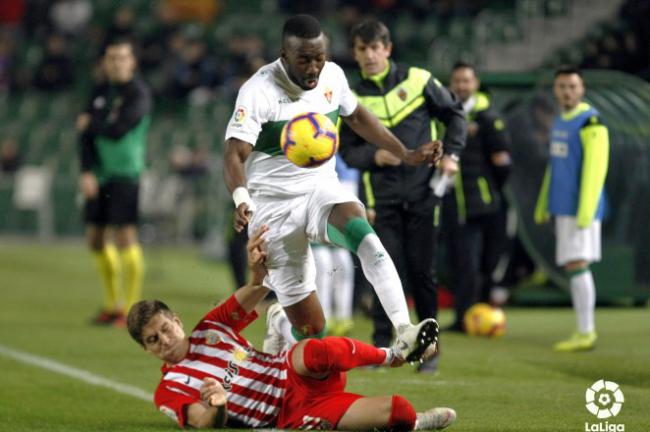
{"x":48,"y":292}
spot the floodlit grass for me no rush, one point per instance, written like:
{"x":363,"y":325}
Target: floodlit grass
{"x":48,"y":293}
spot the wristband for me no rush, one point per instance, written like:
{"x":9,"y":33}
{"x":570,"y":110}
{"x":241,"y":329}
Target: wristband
{"x":240,"y":196}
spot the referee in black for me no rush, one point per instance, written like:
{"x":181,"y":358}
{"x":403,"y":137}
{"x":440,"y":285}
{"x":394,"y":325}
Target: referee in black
{"x":474,"y":211}
{"x":407,"y":100}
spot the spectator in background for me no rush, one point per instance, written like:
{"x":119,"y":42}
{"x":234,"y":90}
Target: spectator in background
{"x":55,"y":71}
{"x":474,"y":213}
{"x":7,"y":64}
{"x":12,"y":13}
{"x":122,"y":25}
{"x":157,"y":45}
{"x":204,"y":11}
{"x":194,"y":70}
{"x":10,"y":157}
{"x":70,"y":17}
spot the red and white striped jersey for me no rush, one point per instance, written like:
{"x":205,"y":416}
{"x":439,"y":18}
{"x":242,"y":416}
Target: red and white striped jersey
{"x":254,"y":381}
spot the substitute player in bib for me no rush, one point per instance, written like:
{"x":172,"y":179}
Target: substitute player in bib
{"x":214,"y":378}
{"x":299,"y":204}
{"x":573,"y":192}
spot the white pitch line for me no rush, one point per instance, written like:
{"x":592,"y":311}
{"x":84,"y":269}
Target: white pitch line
{"x":78,"y":374}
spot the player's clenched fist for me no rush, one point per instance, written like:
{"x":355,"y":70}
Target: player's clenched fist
{"x":242,"y":216}
{"x":213,"y":392}
{"x":429,"y":153}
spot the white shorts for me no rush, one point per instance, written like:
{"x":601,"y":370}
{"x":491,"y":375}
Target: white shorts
{"x":576,"y":244}
{"x":293,"y":222}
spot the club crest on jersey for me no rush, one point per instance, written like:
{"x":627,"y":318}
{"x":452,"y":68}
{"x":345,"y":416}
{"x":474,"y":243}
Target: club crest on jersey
{"x":328,"y":94}
{"x":239,"y":355}
{"x":240,"y":115}
{"x":401,"y":93}
{"x":212,"y":337}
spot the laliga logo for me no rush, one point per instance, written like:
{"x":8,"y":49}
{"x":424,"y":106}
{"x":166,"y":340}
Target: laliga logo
{"x":604,"y":399}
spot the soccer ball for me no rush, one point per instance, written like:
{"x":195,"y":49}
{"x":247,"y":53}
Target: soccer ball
{"x":309,"y":139}
{"x":485,"y":320}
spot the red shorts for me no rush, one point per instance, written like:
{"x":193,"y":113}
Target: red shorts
{"x":311,"y":403}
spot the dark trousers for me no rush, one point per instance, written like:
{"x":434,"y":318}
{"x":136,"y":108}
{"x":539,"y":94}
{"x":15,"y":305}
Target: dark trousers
{"x":408,"y":233}
{"x":473,"y":249}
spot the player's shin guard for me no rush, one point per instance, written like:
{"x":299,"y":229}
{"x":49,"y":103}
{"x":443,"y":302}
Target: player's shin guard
{"x":338,"y":354}
{"x":133,"y":263}
{"x":402,"y":415}
{"x":378,"y":267}
{"x":108,"y":264}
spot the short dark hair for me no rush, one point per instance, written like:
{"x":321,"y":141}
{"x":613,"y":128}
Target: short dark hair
{"x":141,"y":313}
{"x":463,"y":65}
{"x":567,"y":70}
{"x":302,"y":26}
{"x":118,"y":40}
{"x":369,"y":31}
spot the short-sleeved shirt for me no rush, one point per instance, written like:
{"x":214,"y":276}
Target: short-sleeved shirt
{"x":265,"y":103}
{"x":254,"y":381}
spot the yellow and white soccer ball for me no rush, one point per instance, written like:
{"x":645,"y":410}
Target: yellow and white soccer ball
{"x":309,"y":139}
{"x":485,"y":320}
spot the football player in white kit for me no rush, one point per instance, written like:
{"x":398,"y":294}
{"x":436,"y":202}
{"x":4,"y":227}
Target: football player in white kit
{"x":300,"y":205}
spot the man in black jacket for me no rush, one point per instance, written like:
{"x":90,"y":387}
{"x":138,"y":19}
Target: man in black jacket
{"x":407,"y":100}
{"x":474,"y":212}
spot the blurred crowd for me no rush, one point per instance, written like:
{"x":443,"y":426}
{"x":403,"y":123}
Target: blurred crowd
{"x":43,"y":43}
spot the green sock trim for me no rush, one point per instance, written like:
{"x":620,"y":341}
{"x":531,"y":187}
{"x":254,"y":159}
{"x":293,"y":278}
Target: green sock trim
{"x":298,"y":335}
{"x":356,"y":229}
{"x":335,"y":236}
{"x":577,"y":272}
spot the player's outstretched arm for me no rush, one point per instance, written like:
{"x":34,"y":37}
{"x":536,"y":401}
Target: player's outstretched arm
{"x":211,"y":412}
{"x":368,"y":127}
{"x":236,"y":153}
{"x":252,"y":293}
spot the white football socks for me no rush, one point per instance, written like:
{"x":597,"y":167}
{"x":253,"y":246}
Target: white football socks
{"x":583,"y":294}
{"x":343,"y":283}
{"x":379,"y":269}
{"x":324,"y":278}
{"x":282,"y":325}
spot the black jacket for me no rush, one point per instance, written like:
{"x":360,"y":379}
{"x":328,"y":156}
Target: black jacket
{"x":480,"y":181}
{"x":406,"y":101}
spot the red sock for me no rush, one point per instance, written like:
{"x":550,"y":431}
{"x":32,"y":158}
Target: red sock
{"x":402,"y":415}
{"x":340,"y":354}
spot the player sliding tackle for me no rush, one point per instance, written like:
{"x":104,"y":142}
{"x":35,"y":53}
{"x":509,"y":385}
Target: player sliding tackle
{"x":214,"y":378}
{"x":299,"y":204}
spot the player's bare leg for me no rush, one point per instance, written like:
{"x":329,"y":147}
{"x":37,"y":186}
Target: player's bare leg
{"x":349,"y":228}
{"x":306,"y":317}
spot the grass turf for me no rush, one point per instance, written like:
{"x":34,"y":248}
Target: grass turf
{"x":48,"y":293}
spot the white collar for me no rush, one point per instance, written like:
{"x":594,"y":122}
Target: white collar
{"x":469,"y":104}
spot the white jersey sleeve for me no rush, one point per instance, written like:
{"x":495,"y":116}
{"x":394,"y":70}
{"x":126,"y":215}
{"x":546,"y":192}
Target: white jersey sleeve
{"x":252,"y":110}
{"x":348,"y":99}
